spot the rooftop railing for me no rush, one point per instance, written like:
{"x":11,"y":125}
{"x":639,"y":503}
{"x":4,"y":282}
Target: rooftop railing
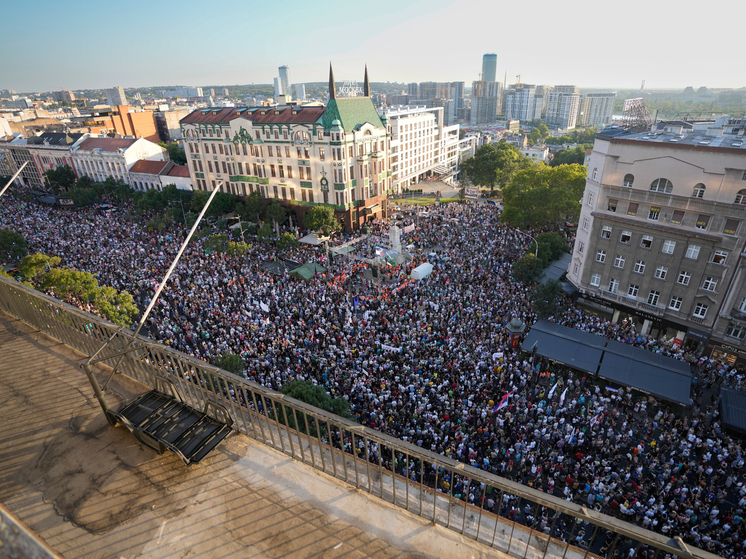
{"x":434,"y":487}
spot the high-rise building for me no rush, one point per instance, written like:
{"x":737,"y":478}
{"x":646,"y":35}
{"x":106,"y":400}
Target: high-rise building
{"x":562,"y":107}
{"x":412,"y":89}
{"x":489,"y":67}
{"x":63,"y":95}
{"x":278,"y":88}
{"x":483,"y":110}
{"x":519,"y":103}
{"x":597,"y":108}
{"x":661,"y":231}
{"x":115,"y":96}
{"x":285,"y":79}
{"x":300,"y":92}
{"x":457,"y":94}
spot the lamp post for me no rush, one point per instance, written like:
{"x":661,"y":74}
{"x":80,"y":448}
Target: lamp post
{"x":530,"y":237}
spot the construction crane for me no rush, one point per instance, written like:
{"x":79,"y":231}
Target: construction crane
{"x":518,"y":77}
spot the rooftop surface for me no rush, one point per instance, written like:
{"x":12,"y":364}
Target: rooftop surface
{"x":90,"y":490}
{"x":698,"y":139}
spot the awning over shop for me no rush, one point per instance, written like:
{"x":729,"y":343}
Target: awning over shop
{"x":637,"y":368}
{"x":646,"y":377}
{"x":733,"y":409}
{"x":574,"y":348}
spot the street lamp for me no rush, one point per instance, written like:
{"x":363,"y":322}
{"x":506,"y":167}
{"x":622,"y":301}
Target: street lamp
{"x":530,"y":237}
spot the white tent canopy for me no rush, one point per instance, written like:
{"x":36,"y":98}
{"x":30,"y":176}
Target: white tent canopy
{"x":313,"y":239}
{"x":422,"y":271}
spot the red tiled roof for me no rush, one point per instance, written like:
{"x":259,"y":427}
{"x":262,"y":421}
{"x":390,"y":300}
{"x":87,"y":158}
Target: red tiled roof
{"x":260,"y":115}
{"x":106,"y":144}
{"x":179,"y":171}
{"x":148,"y":167}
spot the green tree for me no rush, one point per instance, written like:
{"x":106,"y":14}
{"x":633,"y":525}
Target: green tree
{"x":238,"y":248}
{"x":222,"y":204}
{"x":119,"y":307}
{"x":528,"y":269}
{"x":61,"y":178}
{"x":551,"y":247}
{"x":83,"y":196}
{"x":570,"y":156}
{"x":231,"y":362}
{"x":275,"y":213}
{"x":34,"y":264}
{"x":321,"y":219}
{"x":493,"y":165}
{"x":313,"y":395}
{"x":175,"y":153}
{"x":253,"y":207}
{"x":13,"y":246}
{"x":85,"y":182}
{"x":70,"y":283}
{"x":264,"y":233}
{"x":543,"y":130}
{"x":539,"y":195}
{"x":217,"y":243}
{"x":287,"y":240}
{"x":544,"y":298}
{"x":534,"y":137}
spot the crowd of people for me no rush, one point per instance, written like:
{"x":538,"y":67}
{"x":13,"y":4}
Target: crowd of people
{"x":430,"y":362}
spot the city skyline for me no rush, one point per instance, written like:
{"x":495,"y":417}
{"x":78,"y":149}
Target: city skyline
{"x":398,"y":41}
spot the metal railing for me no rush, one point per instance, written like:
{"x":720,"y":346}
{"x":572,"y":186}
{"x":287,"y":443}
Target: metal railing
{"x":422,"y":482}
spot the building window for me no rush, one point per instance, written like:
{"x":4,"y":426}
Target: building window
{"x":613,"y":286}
{"x":702,"y":222}
{"x":730,"y":227}
{"x":619,"y":261}
{"x":719,"y":257}
{"x":625,"y":237}
{"x":575,"y":268}
{"x":601,"y":256}
{"x":611,"y":206}
{"x":586,"y":222}
{"x":654,"y":213}
{"x":595,"y":173}
{"x":661,"y":185}
{"x":742,"y":305}
{"x":629,"y":179}
{"x":684,"y":278}
{"x":709,"y":284}
{"x":606,"y":232}
{"x":661,"y":272}
{"x":581,"y":247}
{"x":639,"y":267}
{"x":646,"y":241}
{"x":668,"y":247}
{"x":741,"y":196}
{"x":653,"y":297}
{"x":595,"y":280}
{"x":699,"y":191}
{"x":272,"y":171}
{"x":633,"y":290}
{"x":692,"y":252}
{"x":321,"y":154}
{"x":700,"y":311}
{"x":632,"y":208}
{"x":270,"y":151}
{"x":675,"y":303}
{"x":677,"y":217}
{"x":737,"y":331}
{"x":590,"y":198}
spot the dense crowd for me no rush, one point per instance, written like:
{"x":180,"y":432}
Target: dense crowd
{"x":430,"y":361}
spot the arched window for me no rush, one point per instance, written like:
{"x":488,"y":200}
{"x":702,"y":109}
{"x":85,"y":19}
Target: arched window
{"x":595,"y":173}
{"x":699,"y":191}
{"x":661,"y":185}
{"x":629,"y":179}
{"x":741,"y":197}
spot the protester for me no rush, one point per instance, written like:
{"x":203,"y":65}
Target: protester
{"x":431,"y":362}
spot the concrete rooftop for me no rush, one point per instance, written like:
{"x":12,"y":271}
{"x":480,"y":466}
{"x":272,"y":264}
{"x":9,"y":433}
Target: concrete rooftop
{"x":90,"y":490}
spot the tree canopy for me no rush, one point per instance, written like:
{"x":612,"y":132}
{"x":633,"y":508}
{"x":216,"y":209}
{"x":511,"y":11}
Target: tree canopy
{"x":231,"y":362}
{"x":544,"y":298}
{"x":493,"y":165}
{"x":539,"y":195}
{"x":528,"y":269}
{"x":61,"y":178}
{"x":13,"y":246}
{"x":570,"y":156}
{"x":321,"y":219}
{"x":175,"y":153}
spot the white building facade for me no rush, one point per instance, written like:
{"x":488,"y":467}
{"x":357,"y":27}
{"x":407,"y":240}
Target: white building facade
{"x":598,"y":108}
{"x":100,"y":158}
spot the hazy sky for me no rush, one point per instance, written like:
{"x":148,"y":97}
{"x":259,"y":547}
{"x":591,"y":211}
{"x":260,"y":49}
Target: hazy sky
{"x":80,"y":44}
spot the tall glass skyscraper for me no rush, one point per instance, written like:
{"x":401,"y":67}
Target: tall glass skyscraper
{"x":489,"y":67}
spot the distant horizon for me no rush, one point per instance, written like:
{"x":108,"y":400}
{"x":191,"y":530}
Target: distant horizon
{"x":401,"y":41}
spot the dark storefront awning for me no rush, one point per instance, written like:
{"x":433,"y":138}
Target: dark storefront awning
{"x":664,"y":377}
{"x":574,"y":348}
{"x":646,"y":377}
{"x":733,"y":409}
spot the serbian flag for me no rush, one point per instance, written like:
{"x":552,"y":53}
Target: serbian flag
{"x":502,"y":403}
